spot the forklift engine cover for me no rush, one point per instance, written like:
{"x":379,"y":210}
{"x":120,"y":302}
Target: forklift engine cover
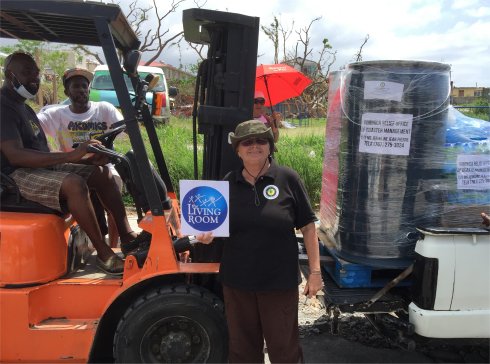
{"x":33,"y":248}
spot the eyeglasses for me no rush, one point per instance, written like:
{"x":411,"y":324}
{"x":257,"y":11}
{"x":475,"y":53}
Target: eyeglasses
{"x":259,"y":101}
{"x":252,"y":141}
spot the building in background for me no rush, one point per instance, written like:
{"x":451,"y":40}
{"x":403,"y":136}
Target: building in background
{"x":467,"y":95}
{"x":309,"y":68}
{"x":171,"y":73}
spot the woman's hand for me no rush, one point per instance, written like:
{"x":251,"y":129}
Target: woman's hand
{"x":486,"y":219}
{"x":313,"y":284}
{"x":205,"y":238}
{"x":276,"y":119}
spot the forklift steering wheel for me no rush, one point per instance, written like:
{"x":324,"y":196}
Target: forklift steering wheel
{"x":108,"y":137}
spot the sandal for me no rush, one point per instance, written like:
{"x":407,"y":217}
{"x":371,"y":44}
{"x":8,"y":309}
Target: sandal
{"x":113,"y":266}
{"x":141,"y":241}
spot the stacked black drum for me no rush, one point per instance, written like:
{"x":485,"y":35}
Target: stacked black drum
{"x":384,"y":158}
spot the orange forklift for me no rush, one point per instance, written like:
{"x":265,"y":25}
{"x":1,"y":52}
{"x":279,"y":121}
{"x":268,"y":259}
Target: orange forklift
{"x":54,"y":305}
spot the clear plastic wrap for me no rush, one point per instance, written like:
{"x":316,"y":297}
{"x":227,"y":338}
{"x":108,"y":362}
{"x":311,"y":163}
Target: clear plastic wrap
{"x":466,"y":170}
{"x":388,"y":167}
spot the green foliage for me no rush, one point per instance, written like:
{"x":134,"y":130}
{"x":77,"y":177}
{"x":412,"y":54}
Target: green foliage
{"x":49,"y":57}
{"x":176,"y":142}
{"x":300,"y":148}
{"x":28,"y":46}
{"x":304,"y":154}
{"x":478,"y":113}
{"x":185,"y":86}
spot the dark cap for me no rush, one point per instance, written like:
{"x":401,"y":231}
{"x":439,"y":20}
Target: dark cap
{"x":251,"y":129}
{"x":72,"y":72}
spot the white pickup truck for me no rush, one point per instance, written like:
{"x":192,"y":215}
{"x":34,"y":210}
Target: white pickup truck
{"x":452,"y":284}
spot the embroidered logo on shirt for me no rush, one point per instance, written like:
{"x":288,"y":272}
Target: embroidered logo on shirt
{"x":35,"y":128}
{"x":271,"y":192}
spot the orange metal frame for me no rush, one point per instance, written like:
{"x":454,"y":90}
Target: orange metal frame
{"x":58,"y":320}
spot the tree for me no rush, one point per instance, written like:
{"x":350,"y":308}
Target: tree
{"x":278,"y":36}
{"x":149,"y":25}
{"x":314,"y":62}
{"x":272,"y":33}
{"x":155,"y":39}
{"x":358,"y":55}
{"x":315,"y":96}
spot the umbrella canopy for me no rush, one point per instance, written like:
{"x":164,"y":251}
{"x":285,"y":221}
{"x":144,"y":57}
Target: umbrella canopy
{"x":279,"y":82}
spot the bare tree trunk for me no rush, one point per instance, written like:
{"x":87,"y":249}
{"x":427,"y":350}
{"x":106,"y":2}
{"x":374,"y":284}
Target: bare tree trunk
{"x":54,"y":99}
{"x":273,"y":34}
{"x":39,"y":95}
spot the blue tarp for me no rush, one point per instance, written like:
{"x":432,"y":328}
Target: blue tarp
{"x":464,"y":129}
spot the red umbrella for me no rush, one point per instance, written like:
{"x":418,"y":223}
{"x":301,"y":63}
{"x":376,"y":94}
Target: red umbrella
{"x":279,"y":82}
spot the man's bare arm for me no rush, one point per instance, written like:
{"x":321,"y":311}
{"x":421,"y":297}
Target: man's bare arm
{"x":19,"y":156}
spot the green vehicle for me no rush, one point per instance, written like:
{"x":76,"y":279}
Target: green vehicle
{"x":102,"y":89}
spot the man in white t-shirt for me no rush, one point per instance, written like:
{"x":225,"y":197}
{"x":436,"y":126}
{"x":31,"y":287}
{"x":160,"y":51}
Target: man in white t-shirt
{"x":78,"y":122}
{"x":82,"y":119}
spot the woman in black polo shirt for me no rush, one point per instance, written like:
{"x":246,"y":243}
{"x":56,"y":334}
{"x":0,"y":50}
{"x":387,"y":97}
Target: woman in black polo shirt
{"x":259,"y":266}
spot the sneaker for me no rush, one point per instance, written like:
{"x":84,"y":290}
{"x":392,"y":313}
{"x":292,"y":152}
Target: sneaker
{"x":113,"y":266}
{"x":141,"y":241}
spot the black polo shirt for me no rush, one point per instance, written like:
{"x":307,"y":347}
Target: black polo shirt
{"x":262,"y":251}
{"x":19,"y":121}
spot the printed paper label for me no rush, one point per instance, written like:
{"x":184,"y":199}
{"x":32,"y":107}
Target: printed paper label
{"x":383,"y":90}
{"x":386,"y":133}
{"x":205,"y":207}
{"x":473,"y":172}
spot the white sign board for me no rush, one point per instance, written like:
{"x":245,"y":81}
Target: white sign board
{"x":383,"y":90}
{"x":204,"y":207}
{"x":385,"y":133}
{"x":473,"y":172}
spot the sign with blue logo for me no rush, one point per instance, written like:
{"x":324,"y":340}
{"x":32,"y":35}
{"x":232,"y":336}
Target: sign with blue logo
{"x":204,"y":206}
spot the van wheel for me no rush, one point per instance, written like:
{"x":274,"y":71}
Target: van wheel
{"x":180,"y":324}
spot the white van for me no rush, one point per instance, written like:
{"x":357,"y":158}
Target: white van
{"x":102,"y":89}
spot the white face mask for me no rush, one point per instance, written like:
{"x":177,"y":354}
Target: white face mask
{"x":22,"y":91}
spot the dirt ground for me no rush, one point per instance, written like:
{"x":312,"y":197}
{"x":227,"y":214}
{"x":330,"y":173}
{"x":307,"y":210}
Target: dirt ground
{"x":320,"y":346}
{"x":358,"y":342}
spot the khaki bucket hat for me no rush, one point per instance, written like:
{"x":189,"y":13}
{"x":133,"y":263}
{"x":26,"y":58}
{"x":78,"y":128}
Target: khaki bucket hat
{"x":250,"y":129}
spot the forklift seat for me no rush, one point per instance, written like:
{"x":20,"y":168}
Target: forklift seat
{"x":12,"y":201}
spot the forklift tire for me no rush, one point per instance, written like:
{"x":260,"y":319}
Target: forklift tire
{"x":179,"y":324}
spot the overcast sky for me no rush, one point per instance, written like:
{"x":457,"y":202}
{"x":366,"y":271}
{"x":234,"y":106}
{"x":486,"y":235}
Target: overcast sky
{"x":456,"y":32}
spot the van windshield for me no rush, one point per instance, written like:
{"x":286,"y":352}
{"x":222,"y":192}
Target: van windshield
{"x":102,"y":81}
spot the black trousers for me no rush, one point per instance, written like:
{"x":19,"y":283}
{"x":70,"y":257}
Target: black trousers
{"x":254,"y":316}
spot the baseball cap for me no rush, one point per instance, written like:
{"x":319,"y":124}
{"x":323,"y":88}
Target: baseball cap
{"x":72,"y":72}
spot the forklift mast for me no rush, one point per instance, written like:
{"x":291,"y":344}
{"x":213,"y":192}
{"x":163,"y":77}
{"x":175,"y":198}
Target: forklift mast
{"x":225,"y":85}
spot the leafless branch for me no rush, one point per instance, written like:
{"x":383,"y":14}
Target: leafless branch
{"x":285,"y":34}
{"x":358,"y":55}
{"x":87,"y":51}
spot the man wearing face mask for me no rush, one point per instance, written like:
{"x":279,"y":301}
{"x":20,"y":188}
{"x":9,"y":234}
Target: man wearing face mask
{"x":55,"y":178}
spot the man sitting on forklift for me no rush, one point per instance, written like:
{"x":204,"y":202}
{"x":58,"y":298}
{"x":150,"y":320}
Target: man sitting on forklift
{"x":55,"y":179}
{"x":69,"y":125}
